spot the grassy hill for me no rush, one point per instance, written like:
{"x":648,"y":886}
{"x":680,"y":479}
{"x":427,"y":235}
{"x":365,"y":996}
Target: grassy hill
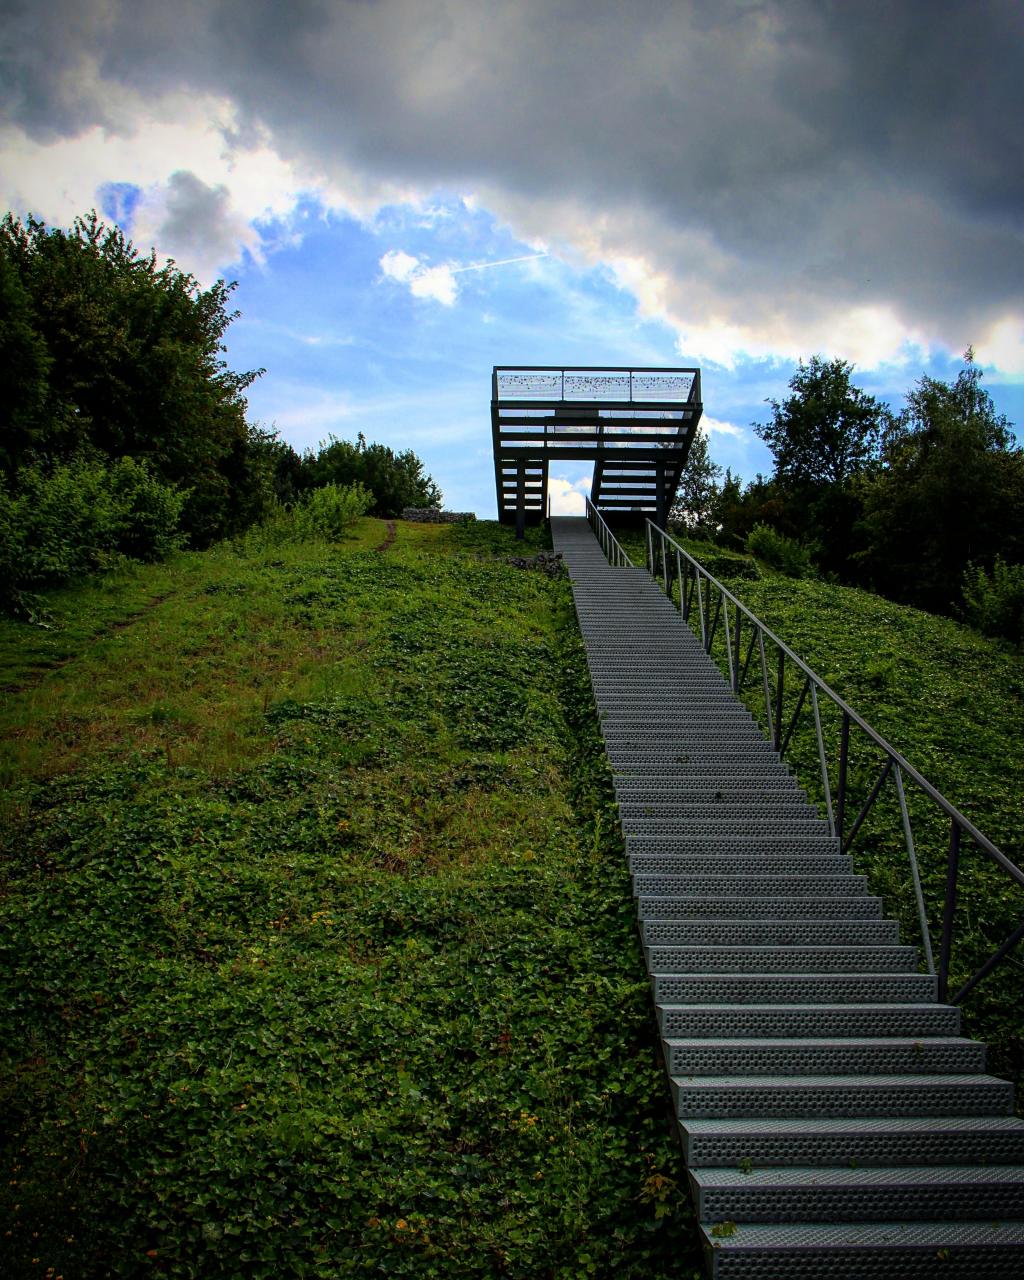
{"x":318,"y":953}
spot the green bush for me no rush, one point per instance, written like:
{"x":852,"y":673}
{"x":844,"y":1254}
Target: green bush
{"x":324,"y":512}
{"x":994,"y":602}
{"x":779,"y":552}
{"x":80,"y":517}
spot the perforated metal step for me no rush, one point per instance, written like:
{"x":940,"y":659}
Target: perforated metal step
{"x":849,"y":1195}
{"x":715,"y":1021}
{"x":719,"y":1096}
{"x":846,"y":1055}
{"x":788,"y":960}
{"x":767,"y":933}
{"x":793,"y":988}
{"x":892,"y":1140}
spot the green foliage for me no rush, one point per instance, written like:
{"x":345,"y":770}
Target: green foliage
{"x":318,"y":950}
{"x":698,"y":490}
{"x":105,"y":352}
{"x":994,"y":602}
{"x":950,"y":493}
{"x":396,"y":480}
{"x":326,"y":512}
{"x":78,"y":518}
{"x":827,"y":430}
{"x":779,"y":552}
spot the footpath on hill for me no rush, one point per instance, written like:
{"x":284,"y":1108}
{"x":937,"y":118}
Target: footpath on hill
{"x":318,"y":949}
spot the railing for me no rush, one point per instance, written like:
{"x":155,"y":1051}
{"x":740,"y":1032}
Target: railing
{"x":706,"y":605}
{"x":595,"y":384}
{"x":609,"y":545}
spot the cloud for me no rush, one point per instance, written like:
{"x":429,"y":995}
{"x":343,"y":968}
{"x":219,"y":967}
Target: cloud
{"x":196,"y":223}
{"x":716,"y":427}
{"x":437,"y":283}
{"x":568,"y":497}
{"x":398,"y":265}
{"x":769,"y":178}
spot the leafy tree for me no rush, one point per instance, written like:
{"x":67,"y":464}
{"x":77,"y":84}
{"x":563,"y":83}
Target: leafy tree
{"x":950,"y":493}
{"x":822,"y":436}
{"x":827,"y":430}
{"x":738,"y":509}
{"x":124,"y":359}
{"x":698,"y":490}
{"x":396,"y":480}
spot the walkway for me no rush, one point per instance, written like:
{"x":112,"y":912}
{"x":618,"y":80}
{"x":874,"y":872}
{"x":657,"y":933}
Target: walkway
{"x":834,"y":1121}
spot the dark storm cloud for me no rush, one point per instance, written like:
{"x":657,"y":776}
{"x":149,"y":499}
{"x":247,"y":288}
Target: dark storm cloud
{"x":827,"y":153}
{"x":196,"y":219}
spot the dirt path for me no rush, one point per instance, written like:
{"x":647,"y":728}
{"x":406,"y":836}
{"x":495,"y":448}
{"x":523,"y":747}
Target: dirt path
{"x":384,"y":546}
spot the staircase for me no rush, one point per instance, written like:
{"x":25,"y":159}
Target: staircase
{"x":834,"y":1122}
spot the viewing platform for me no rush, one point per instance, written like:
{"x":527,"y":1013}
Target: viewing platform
{"x":635,"y":425}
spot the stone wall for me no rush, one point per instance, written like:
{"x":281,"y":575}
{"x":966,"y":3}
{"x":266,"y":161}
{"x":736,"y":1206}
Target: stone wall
{"x":427,"y":515}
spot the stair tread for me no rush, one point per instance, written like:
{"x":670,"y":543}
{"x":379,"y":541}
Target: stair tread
{"x":868,"y":1175}
{"x":926,"y":1234}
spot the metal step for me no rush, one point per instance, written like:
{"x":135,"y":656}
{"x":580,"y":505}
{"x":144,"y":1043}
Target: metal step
{"x":982,"y":1250}
{"x":790,"y":988}
{"x":788,"y":960}
{"x":717,"y":1021}
{"x":710,"y":1097}
{"x":750,"y":907}
{"x":822,"y":931}
{"x":849,"y":1195}
{"x":891,"y":1140}
{"x":839,"y":1056}
{"x":687,"y":864}
{"x":646,"y":886}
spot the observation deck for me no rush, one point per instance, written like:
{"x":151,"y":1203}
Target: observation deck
{"x":635,"y":425}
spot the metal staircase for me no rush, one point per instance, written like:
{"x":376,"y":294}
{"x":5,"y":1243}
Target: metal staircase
{"x":834,"y":1121}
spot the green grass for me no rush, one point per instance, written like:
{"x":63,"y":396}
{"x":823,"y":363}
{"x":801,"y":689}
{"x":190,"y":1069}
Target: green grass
{"x":318,"y":951}
{"x":952,"y":701}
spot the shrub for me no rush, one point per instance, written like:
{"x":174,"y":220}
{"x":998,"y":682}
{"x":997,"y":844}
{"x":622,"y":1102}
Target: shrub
{"x":994,"y":602}
{"x":324,"y":512}
{"x":779,"y":552}
{"x":80,"y":517}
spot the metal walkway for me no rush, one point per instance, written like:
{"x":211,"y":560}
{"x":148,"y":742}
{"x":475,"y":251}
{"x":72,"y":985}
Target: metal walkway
{"x":834,"y":1121}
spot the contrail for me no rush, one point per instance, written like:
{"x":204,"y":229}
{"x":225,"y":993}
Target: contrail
{"x":504,"y":262}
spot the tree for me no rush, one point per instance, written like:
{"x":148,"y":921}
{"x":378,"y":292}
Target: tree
{"x":823,"y":436}
{"x":396,"y":480}
{"x":128,"y":359}
{"x":698,"y":490}
{"x":827,"y":430}
{"x":950,"y":492}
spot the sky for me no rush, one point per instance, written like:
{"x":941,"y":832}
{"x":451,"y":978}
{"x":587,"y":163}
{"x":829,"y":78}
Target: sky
{"x":411,"y":191}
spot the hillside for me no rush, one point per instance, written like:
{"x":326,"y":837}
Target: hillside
{"x":319,"y":955}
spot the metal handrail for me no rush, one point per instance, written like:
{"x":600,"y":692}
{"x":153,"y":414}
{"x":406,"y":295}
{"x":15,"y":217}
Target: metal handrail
{"x":609,"y":543}
{"x":696,"y":589}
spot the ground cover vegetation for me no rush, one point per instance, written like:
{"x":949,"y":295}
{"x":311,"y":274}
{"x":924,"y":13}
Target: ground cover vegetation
{"x":123,"y":432}
{"x":318,"y":951}
{"x":917,"y":505}
{"x":949,"y":699}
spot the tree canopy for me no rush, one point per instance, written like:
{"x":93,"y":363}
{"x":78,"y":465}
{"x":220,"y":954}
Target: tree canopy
{"x":827,"y":430}
{"x":106,"y":353}
{"x":949,"y":493}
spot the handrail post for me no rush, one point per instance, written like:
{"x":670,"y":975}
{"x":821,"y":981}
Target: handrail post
{"x":779,"y":686}
{"x":844,"y":760}
{"x":949,"y":908}
{"x":736,"y":663}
